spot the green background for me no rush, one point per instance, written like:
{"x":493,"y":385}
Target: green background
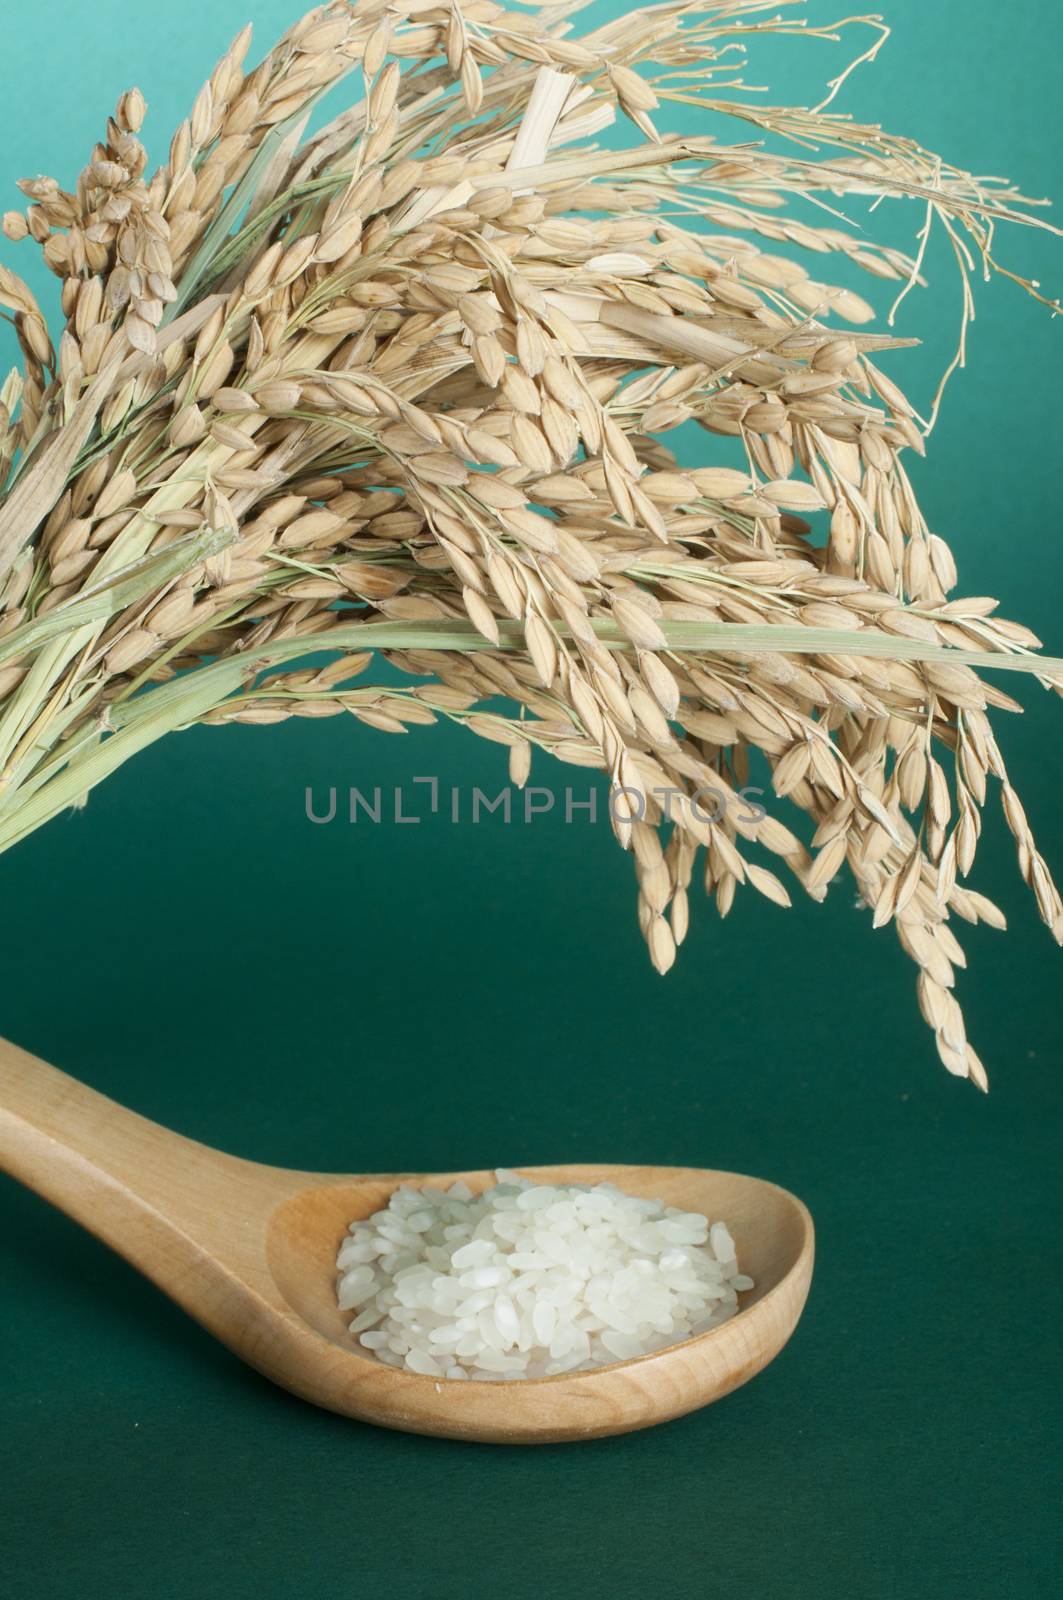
{"x":439,"y":996}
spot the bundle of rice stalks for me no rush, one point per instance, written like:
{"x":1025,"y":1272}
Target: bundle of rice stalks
{"x":385,"y":388}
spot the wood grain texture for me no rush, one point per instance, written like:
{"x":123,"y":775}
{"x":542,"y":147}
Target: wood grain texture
{"x":249,"y":1251}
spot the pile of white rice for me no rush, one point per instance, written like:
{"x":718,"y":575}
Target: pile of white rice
{"x":527,"y":1280}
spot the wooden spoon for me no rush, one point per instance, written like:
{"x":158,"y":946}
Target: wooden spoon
{"x":250,"y":1252}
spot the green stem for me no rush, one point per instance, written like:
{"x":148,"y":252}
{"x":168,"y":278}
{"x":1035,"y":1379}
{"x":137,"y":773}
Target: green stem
{"x":138,"y":722}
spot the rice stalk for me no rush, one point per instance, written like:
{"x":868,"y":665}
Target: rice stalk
{"x":404,"y":386}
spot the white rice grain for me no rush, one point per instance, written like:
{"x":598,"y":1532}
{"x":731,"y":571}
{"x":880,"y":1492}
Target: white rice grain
{"x":531,"y":1280}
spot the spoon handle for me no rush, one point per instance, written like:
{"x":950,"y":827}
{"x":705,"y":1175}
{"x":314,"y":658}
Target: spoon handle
{"x":151,"y":1194}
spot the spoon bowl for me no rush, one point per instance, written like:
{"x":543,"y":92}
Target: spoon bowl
{"x":250,"y":1252}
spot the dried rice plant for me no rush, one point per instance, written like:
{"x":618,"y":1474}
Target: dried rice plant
{"x":386,"y":388}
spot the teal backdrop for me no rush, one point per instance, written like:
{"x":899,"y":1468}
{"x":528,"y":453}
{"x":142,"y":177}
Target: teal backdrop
{"x":436,"y":996}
